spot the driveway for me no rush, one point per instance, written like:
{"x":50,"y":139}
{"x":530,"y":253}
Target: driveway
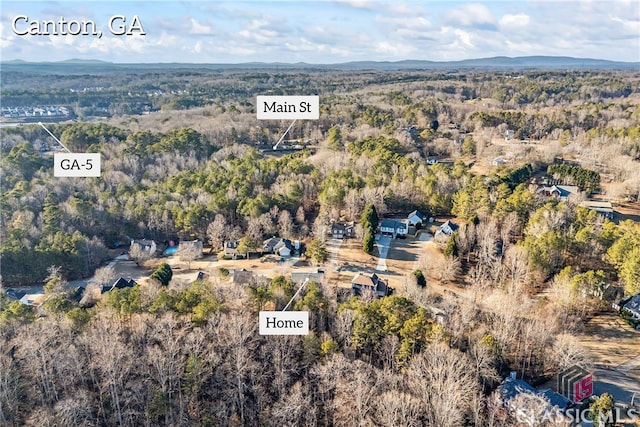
{"x":383,"y":243}
{"x":333,"y":246}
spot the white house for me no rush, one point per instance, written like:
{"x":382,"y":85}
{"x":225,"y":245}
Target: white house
{"x":277,"y":245}
{"x":416,"y":217}
{"x":446,"y":229}
{"x":32,"y":299}
{"x":284,"y":251}
{"x":394,"y":227}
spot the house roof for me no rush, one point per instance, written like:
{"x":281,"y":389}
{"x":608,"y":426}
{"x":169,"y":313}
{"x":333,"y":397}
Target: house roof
{"x":30,"y":299}
{"x":14,"y":293}
{"x":342,"y":225}
{"x":275,"y":243}
{"x":392,"y":223}
{"x":243,"y":277}
{"x":270,"y":243}
{"x":123,"y":283}
{"x":510,"y":388}
{"x":556,"y":399}
{"x":562,"y":190}
{"x":447,"y":228}
{"x":364,"y":280}
{"x":145,"y":243}
{"x":418,"y":214}
{"x":313,"y":276}
{"x":598,"y":206}
{"x":373,"y":282}
{"x":633,"y":304}
{"x":197,"y":243}
{"x":118,"y":284}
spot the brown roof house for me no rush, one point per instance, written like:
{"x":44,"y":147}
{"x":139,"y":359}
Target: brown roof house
{"x":362,"y":282}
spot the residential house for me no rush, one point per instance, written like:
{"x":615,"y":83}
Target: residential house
{"x":446,"y":229}
{"x":416,"y":217}
{"x":277,"y":245}
{"x":32,"y":299}
{"x":188,"y":243}
{"x":603,"y":208}
{"x":231,"y":248}
{"x":394,"y":227}
{"x":15,"y":294}
{"x":121,"y":283}
{"x":362,"y":282}
{"x":498,"y":161}
{"x":146,"y":245}
{"x":343,"y":230}
{"x":243,"y":277}
{"x":509,"y":134}
{"x":630,"y":307}
{"x":298,"y":277}
{"x":562,"y":192}
{"x":512,"y":387}
{"x":284,"y":251}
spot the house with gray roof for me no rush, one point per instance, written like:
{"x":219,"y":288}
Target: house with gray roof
{"x":394,"y":227}
{"x":298,"y":277}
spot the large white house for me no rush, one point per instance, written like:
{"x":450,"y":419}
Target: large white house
{"x":394,"y":227}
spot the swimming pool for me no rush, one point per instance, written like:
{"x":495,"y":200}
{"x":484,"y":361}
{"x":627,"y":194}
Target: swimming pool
{"x":170,"y":251}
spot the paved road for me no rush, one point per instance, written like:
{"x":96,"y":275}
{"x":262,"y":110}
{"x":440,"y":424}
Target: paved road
{"x":618,"y":384}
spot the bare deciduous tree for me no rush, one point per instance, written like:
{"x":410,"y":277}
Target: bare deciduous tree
{"x":567,"y":351}
{"x":285,"y":224}
{"x":104,"y":276}
{"x":189,"y":252}
{"x":397,"y":408}
{"x":444,"y":380}
{"x":356,"y":394}
{"x":217,"y":232}
{"x":515,"y":267}
{"x":138,"y":254}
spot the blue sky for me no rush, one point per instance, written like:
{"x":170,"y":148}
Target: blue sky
{"x":328,"y":31}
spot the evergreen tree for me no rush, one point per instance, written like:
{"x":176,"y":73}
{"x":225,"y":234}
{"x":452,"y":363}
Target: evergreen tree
{"x":368,"y":242}
{"x":335,"y":138}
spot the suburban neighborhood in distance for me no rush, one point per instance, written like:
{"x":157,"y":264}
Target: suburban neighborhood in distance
{"x":448,"y":242}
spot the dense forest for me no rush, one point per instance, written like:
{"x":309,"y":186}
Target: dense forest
{"x":196,"y":168}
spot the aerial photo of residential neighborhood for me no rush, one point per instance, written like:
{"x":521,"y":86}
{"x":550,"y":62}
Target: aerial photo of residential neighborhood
{"x":314,"y":213}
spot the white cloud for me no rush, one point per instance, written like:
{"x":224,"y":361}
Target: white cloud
{"x":470,"y":15}
{"x":514,"y":21}
{"x":334,"y":31}
{"x":357,"y":4}
{"x":6,"y":39}
{"x":198,"y":28}
{"x":303,"y":45}
{"x":464,"y":37}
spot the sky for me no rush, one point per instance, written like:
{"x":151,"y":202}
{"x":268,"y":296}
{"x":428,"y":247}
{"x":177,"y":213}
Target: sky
{"x":320,"y":32}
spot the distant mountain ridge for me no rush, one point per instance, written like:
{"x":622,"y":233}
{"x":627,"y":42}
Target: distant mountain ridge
{"x":497,"y":62}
